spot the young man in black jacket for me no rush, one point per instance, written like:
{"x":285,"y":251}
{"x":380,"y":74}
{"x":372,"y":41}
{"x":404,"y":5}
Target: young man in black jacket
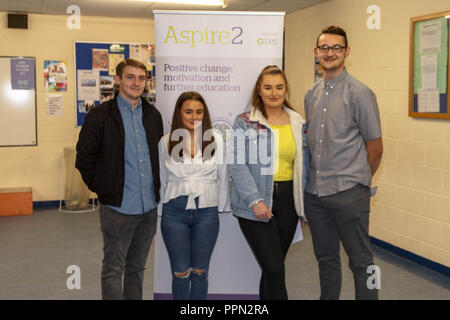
{"x":117,"y":156}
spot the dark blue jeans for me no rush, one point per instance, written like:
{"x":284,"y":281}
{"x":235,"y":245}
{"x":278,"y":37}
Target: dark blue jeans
{"x":126,"y":243}
{"x":190,"y":237}
{"x":341,"y":217}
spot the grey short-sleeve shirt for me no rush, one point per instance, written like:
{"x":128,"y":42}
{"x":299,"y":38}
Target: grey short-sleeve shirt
{"x":342,"y":115}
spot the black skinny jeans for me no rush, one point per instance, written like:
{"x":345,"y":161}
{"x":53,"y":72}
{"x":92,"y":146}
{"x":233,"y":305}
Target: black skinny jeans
{"x":270,"y":241}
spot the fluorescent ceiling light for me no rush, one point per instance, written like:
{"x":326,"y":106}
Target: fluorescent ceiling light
{"x":199,"y":2}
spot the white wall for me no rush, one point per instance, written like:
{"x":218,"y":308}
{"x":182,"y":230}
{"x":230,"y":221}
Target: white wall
{"x":48,"y":38}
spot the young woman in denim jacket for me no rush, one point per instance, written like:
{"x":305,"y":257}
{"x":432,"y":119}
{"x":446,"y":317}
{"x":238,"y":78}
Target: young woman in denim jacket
{"x":194,"y":188}
{"x":268,"y":174}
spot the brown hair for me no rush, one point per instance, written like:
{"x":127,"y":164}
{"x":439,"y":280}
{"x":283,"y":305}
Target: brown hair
{"x":256,"y":98}
{"x":129,"y":62}
{"x":333,"y":30}
{"x":177,"y":122}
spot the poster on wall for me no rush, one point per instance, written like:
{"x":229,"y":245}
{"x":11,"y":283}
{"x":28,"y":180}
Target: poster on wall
{"x":144,"y":53}
{"x":114,"y":60}
{"x":106,"y":88}
{"x":22,"y":74}
{"x":117,"y":48}
{"x":100,"y":59}
{"x":55,"y":75}
{"x":430,"y":43}
{"x":88,"y":84}
{"x":54,"y":105}
{"x":95,"y":68}
{"x":222,"y":64}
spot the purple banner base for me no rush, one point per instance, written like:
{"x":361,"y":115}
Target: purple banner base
{"x":214,"y":296}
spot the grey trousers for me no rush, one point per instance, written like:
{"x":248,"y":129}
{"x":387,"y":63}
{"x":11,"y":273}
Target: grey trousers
{"x":126,"y":243}
{"x":341,"y":217}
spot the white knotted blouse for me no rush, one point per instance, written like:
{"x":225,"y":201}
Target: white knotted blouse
{"x":206,"y":179}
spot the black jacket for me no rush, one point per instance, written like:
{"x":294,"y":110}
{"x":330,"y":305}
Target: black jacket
{"x":101,"y":145}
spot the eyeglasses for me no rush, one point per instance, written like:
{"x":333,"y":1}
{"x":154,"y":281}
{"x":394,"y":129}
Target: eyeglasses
{"x":325,"y":48}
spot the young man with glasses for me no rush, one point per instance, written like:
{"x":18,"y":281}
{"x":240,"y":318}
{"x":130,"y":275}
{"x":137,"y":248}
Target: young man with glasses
{"x":344,"y":139}
{"x":117,"y":156}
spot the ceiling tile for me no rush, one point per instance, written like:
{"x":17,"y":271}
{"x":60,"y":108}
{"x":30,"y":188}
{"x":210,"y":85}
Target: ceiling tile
{"x":139,"y":9}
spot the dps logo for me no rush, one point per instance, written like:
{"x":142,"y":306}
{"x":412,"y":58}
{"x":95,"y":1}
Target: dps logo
{"x":267,"y":41}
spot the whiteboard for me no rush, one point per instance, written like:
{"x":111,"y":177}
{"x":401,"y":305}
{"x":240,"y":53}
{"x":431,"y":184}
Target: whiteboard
{"x":17,"y":108}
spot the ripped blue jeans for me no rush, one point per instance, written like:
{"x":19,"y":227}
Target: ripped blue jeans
{"x":190,"y":237}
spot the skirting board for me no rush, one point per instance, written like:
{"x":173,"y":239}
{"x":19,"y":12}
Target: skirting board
{"x":52,"y":204}
{"x":411,"y":256}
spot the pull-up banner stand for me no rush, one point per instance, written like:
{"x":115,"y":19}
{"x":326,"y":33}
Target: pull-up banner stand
{"x":219,"y":55}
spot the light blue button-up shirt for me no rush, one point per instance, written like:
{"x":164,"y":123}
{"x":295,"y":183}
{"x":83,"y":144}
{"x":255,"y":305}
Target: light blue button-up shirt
{"x":138,"y":192}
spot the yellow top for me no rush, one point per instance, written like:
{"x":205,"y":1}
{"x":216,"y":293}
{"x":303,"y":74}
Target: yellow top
{"x":286,"y":153}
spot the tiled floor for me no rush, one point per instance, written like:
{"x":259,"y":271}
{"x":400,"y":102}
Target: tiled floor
{"x":35,"y":252}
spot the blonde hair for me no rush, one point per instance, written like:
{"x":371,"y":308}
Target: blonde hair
{"x":256,"y":98}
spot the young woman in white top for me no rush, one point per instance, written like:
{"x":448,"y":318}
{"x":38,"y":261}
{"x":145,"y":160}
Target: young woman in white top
{"x":194,"y":188}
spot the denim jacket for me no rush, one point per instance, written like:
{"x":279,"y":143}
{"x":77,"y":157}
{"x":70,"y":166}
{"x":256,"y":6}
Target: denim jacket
{"x":252,"y":177}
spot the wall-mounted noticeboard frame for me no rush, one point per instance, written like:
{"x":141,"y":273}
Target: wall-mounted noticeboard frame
{"x":95,"y":64}
{"x":429,"y":88}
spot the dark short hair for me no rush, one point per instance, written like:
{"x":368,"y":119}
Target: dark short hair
{"x":333,"y":30}
{"x":129,"y":62}
{"x":256,"y":98}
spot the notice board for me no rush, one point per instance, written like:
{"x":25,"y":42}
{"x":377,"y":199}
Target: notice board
{"x":95,"y":64}
{"x":18,"y":102}
{"x":429,"y":66}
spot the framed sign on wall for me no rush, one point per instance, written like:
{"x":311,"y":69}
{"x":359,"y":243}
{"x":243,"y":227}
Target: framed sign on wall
{"x":429,"y":66}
